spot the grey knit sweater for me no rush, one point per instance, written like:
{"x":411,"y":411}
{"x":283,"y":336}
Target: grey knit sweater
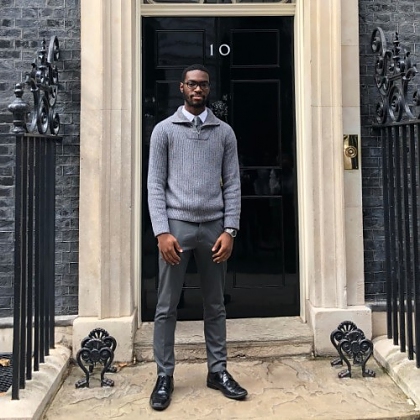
{"x":193,"y":176}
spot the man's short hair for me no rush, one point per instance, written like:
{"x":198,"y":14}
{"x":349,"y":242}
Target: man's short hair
{"x":192,"y":68}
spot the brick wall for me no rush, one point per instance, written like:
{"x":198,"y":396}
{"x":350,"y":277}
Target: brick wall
{"x":391,"y":15}
{"x":23,"y":25}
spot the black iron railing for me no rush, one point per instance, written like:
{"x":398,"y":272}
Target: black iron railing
{"x":33,"y":310}
{"x":33,"y":318}
{"x":398,"y":122}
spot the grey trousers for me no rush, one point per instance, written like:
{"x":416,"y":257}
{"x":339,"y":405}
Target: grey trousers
{"x":197,"y":238}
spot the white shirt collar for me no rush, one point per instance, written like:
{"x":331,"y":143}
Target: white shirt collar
{"x":190,"y":116}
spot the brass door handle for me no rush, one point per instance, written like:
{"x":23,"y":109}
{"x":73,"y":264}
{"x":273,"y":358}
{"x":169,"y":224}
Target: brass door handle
{"x":351,"y":151}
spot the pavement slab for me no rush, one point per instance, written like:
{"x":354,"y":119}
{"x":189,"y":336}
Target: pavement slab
{"x":290,"y":388}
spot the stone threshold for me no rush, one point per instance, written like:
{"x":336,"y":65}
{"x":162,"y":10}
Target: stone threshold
{"x":251,"y":338}
{"x":402,"y":370}
{"x":39,"y":391}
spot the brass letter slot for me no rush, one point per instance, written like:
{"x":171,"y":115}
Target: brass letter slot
{"x":351,"y":151}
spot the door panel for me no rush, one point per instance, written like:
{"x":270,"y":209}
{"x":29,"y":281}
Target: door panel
{"x":250,"y":63}
{"x":262,"y":47}
{"x":190,"y":42}
{"x":256,"y":125}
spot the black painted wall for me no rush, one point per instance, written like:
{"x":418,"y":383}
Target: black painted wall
{"x":23,"y":26}
{"x":402,"y":16}
{"x":24,"y":23}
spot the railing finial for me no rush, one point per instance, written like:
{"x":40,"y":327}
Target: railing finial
{"x":393,"y":73}
{"x":43,"y":83}
{"x":19,"y":108}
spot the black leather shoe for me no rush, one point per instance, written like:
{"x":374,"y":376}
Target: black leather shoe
{"x":224,"y":382}
{"x":161,"y":395}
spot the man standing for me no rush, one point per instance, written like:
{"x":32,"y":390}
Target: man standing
{"x":194,"y":203}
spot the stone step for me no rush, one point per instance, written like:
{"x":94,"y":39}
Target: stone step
{"x":251,"y":338}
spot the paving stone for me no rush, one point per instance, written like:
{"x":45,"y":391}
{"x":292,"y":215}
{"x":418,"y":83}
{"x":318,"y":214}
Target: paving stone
{"x":294,"y":388}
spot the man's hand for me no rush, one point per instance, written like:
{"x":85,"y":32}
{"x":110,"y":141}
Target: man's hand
{"x":222,"y":249}
{"x":169,"y":248}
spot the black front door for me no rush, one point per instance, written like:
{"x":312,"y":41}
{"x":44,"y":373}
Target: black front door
{"x":251,"y":71}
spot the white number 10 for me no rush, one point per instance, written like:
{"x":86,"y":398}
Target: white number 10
{"x":224,"y":50}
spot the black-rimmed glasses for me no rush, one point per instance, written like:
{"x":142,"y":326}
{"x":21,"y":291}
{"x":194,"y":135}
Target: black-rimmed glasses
{"x":193,"y":85}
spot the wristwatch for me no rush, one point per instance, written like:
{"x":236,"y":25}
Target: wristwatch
{"x":232,"y":232}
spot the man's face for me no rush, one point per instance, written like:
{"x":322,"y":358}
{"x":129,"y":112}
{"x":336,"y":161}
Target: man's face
{"x":195,"y":89}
